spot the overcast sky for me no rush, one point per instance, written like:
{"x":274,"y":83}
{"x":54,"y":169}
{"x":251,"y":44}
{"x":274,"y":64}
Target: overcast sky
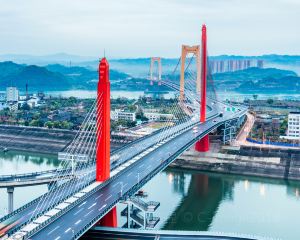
{"x":140,"y":28}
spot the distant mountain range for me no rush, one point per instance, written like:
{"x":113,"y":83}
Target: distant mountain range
{"x":139,"y":67}
{"x":61,"y":77}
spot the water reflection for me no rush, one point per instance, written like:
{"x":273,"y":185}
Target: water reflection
{"x":228,"y":203}
{"x":24,"y":162}
{"x":21,"y":162}
{"x":199,"y":205}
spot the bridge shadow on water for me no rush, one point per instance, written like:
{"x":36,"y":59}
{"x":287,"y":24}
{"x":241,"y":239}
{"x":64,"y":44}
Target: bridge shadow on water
{"x":199,"y":205}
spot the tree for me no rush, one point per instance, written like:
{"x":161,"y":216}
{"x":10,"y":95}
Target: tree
{"x":25,"y":107}
{"x":36,"y":123}
{"x":270,"y":101}
{"x":66,"y":125}
{"x":49,"y":124}
{"x":255,"y":96}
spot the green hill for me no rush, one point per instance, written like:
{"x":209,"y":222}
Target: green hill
{"x":51,"y":77}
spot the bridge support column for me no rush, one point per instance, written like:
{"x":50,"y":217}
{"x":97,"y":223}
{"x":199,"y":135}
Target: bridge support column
{"x":103,"y":123}
{"x":10,"y":192}
{"x":110,"y":219}
{"x":203,"y":144}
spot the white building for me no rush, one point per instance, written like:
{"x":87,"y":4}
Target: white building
{"x":293,"y":126}
{"x":122,"y":115}
{"x":12,"y":94}
{"x":33,"y":102}
{"x":153,"y":116}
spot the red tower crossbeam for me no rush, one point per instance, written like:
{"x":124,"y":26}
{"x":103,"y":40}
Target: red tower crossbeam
{"x":103,"y":123}
{"x":203,"y":144}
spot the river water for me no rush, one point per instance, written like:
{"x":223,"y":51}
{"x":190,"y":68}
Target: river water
{"x":232,"y":96}
{"x":193,"y":200}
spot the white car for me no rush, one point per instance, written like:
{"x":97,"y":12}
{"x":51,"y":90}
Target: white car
{"x":195,"y":131}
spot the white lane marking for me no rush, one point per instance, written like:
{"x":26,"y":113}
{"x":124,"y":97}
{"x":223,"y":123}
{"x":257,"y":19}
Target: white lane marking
{"x":52,"y":230}
{"x":116,"y":184}
{"x":124,"y":185}
{"x":108,"y":198}
{"x":68,"y":230}
{"x":57,"y":238}
{"x":98,"y":196}
{"x":102,"y":207}
{"x":91,"y":206}
{"x":88,"y":213}
{"x":78,"y":222}
{"x":78,"y":211}
{"x":82,"y":204}
{"x":129,"y":174}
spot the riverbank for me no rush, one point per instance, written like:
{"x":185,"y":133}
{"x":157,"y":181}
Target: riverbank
{"x":34,"y":139}
{"x":248,"y":161}
{"x":39,"y":139}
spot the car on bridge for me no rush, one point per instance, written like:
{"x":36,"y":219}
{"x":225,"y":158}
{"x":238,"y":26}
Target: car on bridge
{"x":7,"y":225}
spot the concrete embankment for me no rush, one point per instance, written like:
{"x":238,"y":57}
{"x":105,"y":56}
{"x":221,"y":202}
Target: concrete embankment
{"x":40,"y":140}
{"x":34,"y":139}
{"x":274,"y":163}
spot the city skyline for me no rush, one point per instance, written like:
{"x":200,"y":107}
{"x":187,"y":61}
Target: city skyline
{"x":148,"y":28}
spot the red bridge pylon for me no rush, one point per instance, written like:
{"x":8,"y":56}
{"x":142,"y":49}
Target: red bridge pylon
{"x":103,"y":123}
{"x":103,"y":136}
{"x":203,"y":144}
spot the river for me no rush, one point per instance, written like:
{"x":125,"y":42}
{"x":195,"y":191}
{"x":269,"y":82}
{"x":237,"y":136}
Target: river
{"x":222,"y":95}
{"x":193,"y":200}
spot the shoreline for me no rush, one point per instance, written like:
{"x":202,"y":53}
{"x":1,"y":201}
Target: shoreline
{"x":283,"y":164}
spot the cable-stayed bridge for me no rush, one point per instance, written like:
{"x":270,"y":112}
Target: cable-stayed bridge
{"x":100,"y":179}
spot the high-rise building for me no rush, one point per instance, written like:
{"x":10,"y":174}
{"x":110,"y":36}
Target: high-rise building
{"x":232,"y":65}
{"x":12,"y":94}
{"x":260,"y":63}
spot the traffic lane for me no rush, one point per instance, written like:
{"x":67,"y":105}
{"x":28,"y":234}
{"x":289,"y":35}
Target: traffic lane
{"x":108,"y":195}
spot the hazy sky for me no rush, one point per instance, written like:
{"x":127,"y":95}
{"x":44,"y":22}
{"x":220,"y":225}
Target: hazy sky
{"x":139,"y":28}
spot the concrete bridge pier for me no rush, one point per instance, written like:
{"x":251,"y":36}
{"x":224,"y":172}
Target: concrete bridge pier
{"x":10,"y":192}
